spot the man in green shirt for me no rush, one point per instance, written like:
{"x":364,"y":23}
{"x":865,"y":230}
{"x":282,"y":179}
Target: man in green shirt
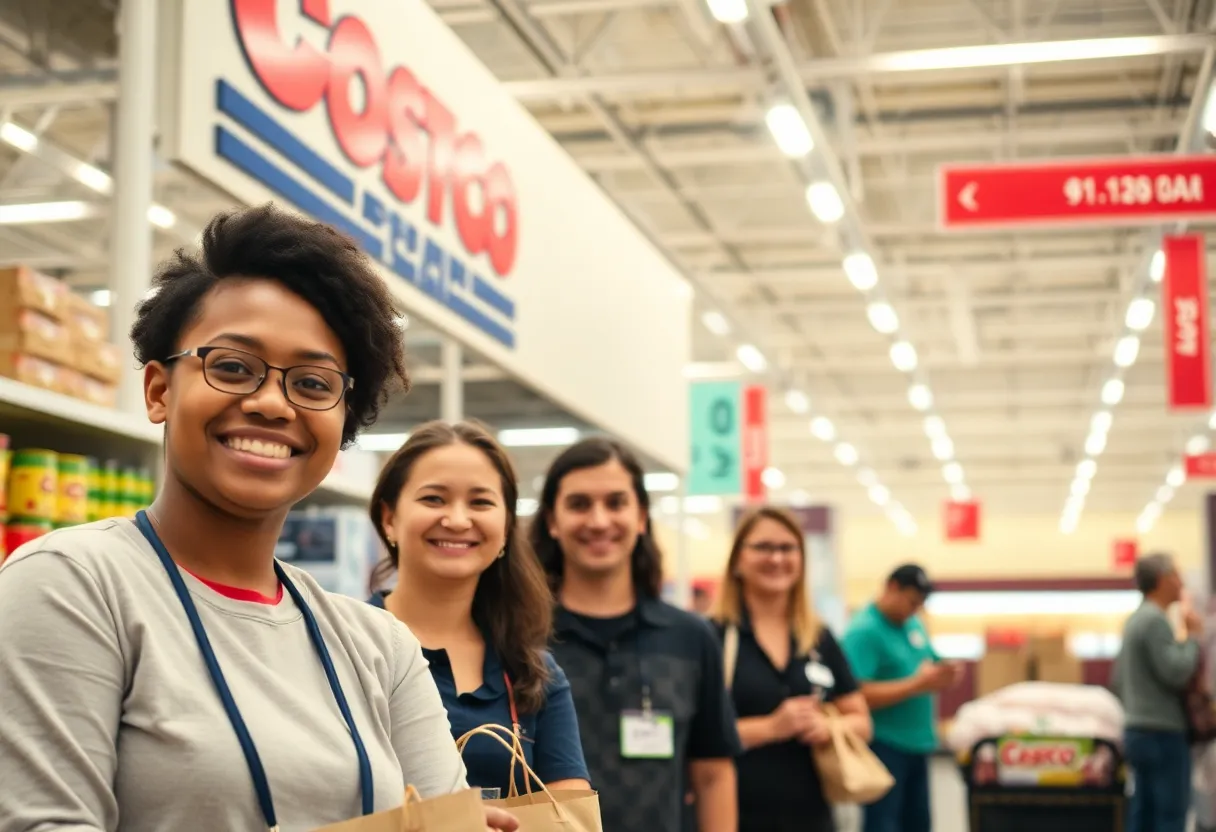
{"x":1151,"y":672}
{"x":899,"y":671}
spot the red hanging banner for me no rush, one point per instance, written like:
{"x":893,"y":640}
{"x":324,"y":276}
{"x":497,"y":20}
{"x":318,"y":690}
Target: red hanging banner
{"x":1185,"y":307}
{"x":963,"y":520}
{"x":1201,"y":466}
{"x":1123,"y":554}
{"x":755,"y":441}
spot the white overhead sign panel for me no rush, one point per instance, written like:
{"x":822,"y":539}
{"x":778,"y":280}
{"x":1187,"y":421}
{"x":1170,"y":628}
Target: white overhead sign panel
{"x":376,"y":118}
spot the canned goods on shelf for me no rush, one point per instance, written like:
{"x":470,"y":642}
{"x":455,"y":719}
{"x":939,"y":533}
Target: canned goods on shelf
{"x":20,"y":532}
{"x":72,"y":506}
{"x":33,"y":485}
{"x":96,"y":493}
{"x":4,"y":462}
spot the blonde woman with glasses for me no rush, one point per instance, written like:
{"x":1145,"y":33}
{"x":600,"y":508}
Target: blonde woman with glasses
{"x":783,"y":668}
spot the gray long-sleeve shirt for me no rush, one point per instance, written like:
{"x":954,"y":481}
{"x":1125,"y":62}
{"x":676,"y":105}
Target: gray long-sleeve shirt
{"x":109,"y":719}
{"x":1152,"y":670}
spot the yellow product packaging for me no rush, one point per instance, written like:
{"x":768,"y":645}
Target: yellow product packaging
{"x":33,"y":485}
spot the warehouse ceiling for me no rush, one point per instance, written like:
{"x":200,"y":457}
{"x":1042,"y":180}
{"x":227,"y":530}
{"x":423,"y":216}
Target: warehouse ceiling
{"x":664,"y":107}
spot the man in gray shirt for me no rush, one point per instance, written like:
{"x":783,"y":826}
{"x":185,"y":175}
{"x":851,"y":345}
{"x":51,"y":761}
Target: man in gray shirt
{"x":1151,"y":672}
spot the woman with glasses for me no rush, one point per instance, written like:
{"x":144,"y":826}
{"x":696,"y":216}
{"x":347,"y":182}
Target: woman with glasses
{"x":169,"y":673}
{"x":783,"y":669}
{"x":469,"y":586}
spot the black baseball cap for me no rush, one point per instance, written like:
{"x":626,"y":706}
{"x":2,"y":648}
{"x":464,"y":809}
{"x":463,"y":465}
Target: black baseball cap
{"x":911,"y":576}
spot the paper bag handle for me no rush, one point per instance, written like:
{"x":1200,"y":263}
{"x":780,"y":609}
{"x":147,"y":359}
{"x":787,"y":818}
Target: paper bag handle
{"x":495,"y":731}
{"x":517,"y":753}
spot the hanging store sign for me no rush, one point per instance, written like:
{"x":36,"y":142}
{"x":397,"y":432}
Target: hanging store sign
{"x":755,"y":441}
{"x":729,"y":430}
{"x":1188,"y":359}
{"x":1131,"y":191}
{"x":962,"y":520}
{"x":376,"y":118}
{"x":1201,"y":466}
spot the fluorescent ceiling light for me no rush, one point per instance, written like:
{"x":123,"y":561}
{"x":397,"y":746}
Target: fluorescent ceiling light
{"x":1176,"y":477}
{"x":960,"y":493}
{"x":1042,"y":602}
{"x":93,"y":178}
{"x":1164,"y":494}
{"x":1140,"y":314}
{"x":1156,"y":266}
{"x":800,"y":497}
{"x":867,"y":477}
{"x":1068,"y":523}
{"x":1112,"y":392}
{"x":1198,"y":444}
{"x":1013,"y":54}
{"x":728,"y":11}
{"x":920,"y":397}
{"x":1126,"y":351}
{"x":1148,"y":518}
{"x":882,"y":317}
{"x":1212,"y":422}
{"x":797,"y":401}
{"x":1095,"y":444}
{"x":715,"y":322}
{"x":101,"y":297}
{"x":661,"y":481}
{"x":879,"y":494}
{"x":751,"y":358}
{"x":18,"y":137}
{"x":903,"y":356}
{"x":859,"y":268}
{"x":44,"y":212}
{"x":1086,"y":469}
{"x":789,"y":130}
{"x":538,"y":437}
{"x":943,"y":448}
{"x":824,"y":201}
{"x":526,"y":507}
{"x":1101,"y":422}
{"x":952,"y":473}
{"x":161,"y":217}
{"x":934,"y":427}
{"x":823,"y":429}
{"x":381,"y":442}
{"x":1080,"y":488}
{"x":846,"y":454}
{"x":773,"y":478}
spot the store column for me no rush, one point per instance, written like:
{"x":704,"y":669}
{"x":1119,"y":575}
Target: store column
{"x":451,"y":385}
{"x":130,"y":231}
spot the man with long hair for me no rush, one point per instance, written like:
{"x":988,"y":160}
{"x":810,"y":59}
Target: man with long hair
{"x":647,"y":678}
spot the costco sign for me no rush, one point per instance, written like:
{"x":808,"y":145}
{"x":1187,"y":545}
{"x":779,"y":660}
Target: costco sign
{"x":374,"y":117}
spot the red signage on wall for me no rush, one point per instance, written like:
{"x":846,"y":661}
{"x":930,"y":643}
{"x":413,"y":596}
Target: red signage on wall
{"x":1188,"y":363}
{"x":1068,"y":191}
{"x":963,"y":520}
{"x":1201,"y":466}
{"x":1123,"y":554}
{"x":755,"y":441}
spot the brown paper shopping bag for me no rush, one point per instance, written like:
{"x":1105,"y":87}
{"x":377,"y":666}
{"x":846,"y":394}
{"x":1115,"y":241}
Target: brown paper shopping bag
{"x":548,"y":810}
{"x":460,"y":811}
{"x":849,"y":771}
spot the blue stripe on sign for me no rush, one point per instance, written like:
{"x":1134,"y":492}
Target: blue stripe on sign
{"x":236,"y":151}
{"x":480,"y":320}
{"x":232,"y":103}
{"x":487,"y":294}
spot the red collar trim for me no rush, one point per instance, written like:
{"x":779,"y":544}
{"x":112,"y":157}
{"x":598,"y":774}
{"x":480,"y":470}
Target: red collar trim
{"x":237,"y":593}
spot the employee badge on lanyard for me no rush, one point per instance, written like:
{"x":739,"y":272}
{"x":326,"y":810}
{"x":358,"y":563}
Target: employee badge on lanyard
{"x":819,"y":675}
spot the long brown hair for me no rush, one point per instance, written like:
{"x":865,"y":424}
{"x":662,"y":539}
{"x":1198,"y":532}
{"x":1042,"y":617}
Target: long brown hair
{"x":512,"y":604}
{"x":804,"y":623}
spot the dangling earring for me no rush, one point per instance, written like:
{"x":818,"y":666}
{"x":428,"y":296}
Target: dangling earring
{"x":503,"y":553}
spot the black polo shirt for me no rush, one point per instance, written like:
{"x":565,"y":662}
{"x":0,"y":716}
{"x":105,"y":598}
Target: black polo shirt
{"x":606,"y":661}
{"x":778,"y":783}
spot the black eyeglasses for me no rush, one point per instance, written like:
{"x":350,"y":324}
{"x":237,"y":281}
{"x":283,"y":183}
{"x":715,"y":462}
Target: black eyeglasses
{"x":766,"y":548}
{"x":241,"y":373}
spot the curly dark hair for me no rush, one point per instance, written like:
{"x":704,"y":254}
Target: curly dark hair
{"x":311,"y":259}
{"x":646,"y":561}
{"x":512,"y":604}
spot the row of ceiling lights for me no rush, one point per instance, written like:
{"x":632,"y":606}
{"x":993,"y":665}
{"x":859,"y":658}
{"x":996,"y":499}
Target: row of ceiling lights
{"x":793,"y":138}
{"x":1138,"y":317}
{"x":1174,"y":479}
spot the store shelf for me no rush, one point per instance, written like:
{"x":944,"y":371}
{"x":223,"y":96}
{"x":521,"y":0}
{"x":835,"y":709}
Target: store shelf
{"x":40,"y":418}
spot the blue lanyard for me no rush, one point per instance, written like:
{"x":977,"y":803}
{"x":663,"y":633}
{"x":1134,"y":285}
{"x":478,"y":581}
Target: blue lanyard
{"x":260,"y":784}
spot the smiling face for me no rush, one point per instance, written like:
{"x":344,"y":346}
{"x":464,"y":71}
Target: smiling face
{"x":450,"y":520}
{"x":256,"y":454}
{"x":770,"y":558}
{"x":597,"y":518}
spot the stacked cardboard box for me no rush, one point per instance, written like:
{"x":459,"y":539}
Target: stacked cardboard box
{"x":1041,"y":657}
{"x":55,"y":339}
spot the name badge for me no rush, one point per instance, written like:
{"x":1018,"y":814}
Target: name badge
{"x":917,"y":639}
{"x":820,"y":675}
{"x":647,"y":736}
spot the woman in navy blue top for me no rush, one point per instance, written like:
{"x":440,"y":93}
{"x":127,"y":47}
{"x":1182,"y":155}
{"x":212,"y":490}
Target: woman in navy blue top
{"x":474,"y":594}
